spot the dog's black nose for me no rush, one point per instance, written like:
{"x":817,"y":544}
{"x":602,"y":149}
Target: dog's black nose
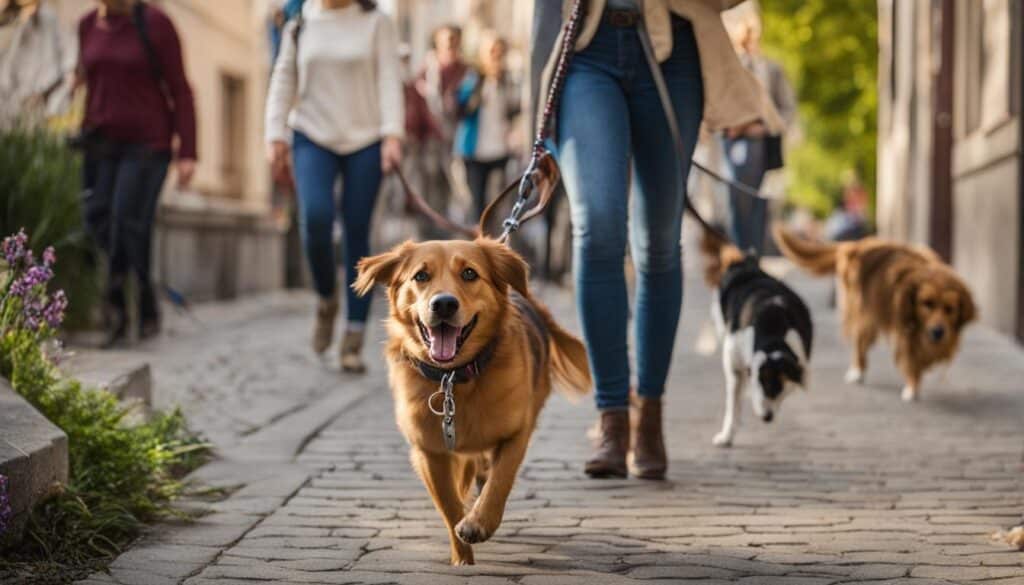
{"x":937,"y":333}
{"x":444,"y":305}
{"x":768,"y":416}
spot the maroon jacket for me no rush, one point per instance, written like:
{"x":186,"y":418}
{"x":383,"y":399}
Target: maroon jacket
{"x":125,"y":101}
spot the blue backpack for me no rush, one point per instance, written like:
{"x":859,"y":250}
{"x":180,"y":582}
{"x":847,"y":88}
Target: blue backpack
{"x":293,"y":11}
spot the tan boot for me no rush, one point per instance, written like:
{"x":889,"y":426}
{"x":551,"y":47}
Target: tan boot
{"x":323,"y":330}
{"x":649,"y":459}
{"x":609,"y":458}
{"x":351,"y":352}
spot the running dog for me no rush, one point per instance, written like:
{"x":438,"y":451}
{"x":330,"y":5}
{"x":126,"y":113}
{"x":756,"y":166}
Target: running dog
{"x":472,"y":358}
{"x":766,"y":334}
{"x":903,"y":291}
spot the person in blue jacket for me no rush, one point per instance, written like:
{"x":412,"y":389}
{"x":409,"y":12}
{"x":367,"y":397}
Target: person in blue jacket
{"x":488,"y":102}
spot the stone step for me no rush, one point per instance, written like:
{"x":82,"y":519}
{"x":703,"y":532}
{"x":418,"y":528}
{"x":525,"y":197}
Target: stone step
{"x":33,"y":456}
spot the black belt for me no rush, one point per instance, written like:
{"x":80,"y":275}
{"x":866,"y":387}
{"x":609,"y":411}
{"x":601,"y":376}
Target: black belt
{"x":621,"y":18}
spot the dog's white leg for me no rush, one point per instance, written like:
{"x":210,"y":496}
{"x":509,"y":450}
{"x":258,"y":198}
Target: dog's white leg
{"x":909,"y":393}
{"x":854,"y":375}
{"x":734,"y":382}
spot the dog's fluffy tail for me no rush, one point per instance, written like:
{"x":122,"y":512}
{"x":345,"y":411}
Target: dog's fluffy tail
{"x":569,"y":362}
{"x":718,"y":257}
{"x":815,"y":257}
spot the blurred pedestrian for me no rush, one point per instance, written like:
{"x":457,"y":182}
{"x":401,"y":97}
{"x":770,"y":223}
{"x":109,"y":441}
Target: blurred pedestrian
{"x":752,"y":150}
{"x":421,"y":128}
{"x":138,"y":103}
{"x":488,"y":102}
{"x":612,"y":130}
{"x":438,"y":81}
{"x":335,"y":108}
{"x":33,"y":61}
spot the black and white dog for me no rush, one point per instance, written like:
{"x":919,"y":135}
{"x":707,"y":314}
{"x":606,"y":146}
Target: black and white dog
{"x":766,"y":333}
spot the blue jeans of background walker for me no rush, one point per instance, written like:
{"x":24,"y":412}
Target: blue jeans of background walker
{"x":612,"y":130}
{"x":316,"y":170}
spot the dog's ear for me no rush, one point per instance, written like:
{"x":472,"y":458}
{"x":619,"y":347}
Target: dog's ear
{"x":968,"y":311}
{"x":904,"y":303}
{"x":791,"y":369}
{"x":380,"y":269}
{"x":507,"y":267}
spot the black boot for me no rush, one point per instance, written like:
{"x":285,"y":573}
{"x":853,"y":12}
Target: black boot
{"x":116,"y":317}
{"x":149,"y":312}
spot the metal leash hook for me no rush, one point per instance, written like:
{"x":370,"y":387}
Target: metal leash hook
{"x":447,"y":410}
{"x":526,"y":188}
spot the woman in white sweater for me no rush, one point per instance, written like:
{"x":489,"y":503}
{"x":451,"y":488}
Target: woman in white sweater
{"x":335,"y":107}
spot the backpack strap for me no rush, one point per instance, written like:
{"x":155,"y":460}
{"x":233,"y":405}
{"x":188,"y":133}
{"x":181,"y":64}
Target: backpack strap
{"x":139,"y":18}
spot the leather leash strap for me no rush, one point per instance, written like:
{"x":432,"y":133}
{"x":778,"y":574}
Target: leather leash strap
{"x":541,"y":176}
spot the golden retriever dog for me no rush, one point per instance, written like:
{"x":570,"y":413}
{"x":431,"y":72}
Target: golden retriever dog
{"x":905,"y":292}
{"x":463,"y":311}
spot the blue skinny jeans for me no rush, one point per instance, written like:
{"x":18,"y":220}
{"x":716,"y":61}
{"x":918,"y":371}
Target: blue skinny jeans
{"x":612,"y":131}
{"x":316,"y":170}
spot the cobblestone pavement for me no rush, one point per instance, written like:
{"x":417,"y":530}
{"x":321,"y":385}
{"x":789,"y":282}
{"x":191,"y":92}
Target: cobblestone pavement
{"x":848,"y":485}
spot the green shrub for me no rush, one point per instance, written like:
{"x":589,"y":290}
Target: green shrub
{"x":40,"y":185}
{"x":122,"y":474}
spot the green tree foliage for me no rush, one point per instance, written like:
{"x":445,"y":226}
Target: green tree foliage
{"x":830,"y":51}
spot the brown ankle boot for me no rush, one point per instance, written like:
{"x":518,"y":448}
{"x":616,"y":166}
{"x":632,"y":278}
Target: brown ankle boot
{"x":649,"y":459}
{"x":609,"y":459}
{"x":351,"y":352}
{"x":323,"y":330}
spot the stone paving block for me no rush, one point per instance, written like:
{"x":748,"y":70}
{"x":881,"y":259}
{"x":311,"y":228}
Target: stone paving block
{"x":812,"y":499}
{"x":965,"y":573}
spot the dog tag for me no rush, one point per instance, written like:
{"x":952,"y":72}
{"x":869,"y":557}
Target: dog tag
{"x":448,"y":410}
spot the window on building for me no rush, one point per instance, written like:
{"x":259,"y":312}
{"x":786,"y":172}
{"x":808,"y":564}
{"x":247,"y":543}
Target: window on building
{"x":233,"y":134}
{"x":974,"y":43}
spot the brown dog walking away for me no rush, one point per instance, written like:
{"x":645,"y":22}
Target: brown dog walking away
{"x":905,"y":292}
{"x":464,"y":310}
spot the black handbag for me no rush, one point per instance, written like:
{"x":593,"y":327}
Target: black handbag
{"x":773,"y":158}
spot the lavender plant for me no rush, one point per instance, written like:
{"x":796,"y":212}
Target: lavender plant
{"x":24,"y":301}
{"x":121,"y":475}
{"x":5,"y":505}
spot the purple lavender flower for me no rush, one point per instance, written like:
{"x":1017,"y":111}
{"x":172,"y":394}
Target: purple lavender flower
{"x":49,"y":257}
{"x":6,"y":513}
{"x":32,"y":311}
{"x":53,"y":314}
{"x":37,"y":275}
{"x":13,"y":247}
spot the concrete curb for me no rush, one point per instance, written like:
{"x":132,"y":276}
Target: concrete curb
{"x":33,"y":455}
{"x":126,"y":375}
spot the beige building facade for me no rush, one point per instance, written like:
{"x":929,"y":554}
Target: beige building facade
{"x":950,"y":162}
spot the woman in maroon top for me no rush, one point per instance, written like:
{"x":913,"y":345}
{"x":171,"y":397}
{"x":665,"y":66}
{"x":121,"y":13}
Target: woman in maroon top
{"x":139,"y":116}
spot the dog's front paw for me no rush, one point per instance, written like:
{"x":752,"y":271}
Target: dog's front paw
{"x":854,"y":376}
{"x":909,"y":394}
{"x":462,"y":554}
{"x":472,"y":531}
{"x":722,"y":439}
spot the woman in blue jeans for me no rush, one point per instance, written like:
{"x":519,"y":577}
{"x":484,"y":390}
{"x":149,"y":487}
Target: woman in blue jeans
{"x":626,"y":184}
{"x":336,"y":95}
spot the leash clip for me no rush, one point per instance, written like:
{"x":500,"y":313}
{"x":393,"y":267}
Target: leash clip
{"x":447,"y":410}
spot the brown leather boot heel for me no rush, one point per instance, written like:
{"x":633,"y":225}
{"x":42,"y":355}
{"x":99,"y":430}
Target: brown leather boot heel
{"x":649,"y":458}
{"x":609,"y":459}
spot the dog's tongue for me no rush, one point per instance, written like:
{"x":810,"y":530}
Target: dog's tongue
{"x":443,"y":342}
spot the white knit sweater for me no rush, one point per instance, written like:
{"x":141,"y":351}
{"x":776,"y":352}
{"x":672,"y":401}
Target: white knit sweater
{"x":345,"y":90}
